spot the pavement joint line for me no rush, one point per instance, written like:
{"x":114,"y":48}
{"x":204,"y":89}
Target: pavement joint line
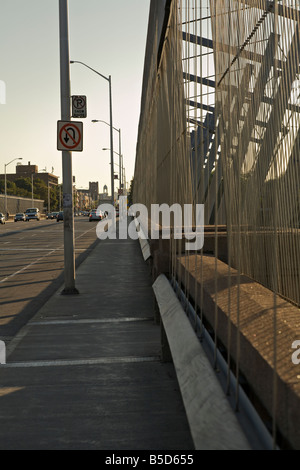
{"x":81,"y":362}
{"x":75,"y":322}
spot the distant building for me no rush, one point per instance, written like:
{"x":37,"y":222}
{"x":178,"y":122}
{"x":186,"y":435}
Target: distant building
{"x":104,"y":198}
{"x":83,"y":199}
{"x":26,"y":171}
{"x":94,"y":191}
{"x":88,"y":198}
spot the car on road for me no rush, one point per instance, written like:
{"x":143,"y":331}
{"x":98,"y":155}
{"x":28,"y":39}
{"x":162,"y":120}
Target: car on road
{"x":32,"y":213}
{"x":96,"y":215}
{"x":51,"y":215}
{"x":2,"y":219}
{"x":60,"y":216}
{"x":20,"y":217}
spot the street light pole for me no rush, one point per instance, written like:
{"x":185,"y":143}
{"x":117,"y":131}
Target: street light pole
{"x":122,"y":173}
{"x":5,"y":182}
{"x":120,"y":163}
{"x":32,"y":185}
{"x":111,"y":146}
{"x":118,"y":130}
{"x":111,"y":124}
{"x":5,"y":190}
{"x":31,"y":189}
{"x":69,"y":257}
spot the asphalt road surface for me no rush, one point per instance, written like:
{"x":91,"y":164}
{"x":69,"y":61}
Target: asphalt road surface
{"x":31,"y":266}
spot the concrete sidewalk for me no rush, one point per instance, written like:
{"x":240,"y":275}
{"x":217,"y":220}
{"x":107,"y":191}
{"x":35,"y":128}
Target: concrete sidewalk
{"x":86,"y":372}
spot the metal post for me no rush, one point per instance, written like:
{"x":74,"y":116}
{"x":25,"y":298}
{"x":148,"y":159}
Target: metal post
{"x":111,"y":124}
{"x":120,"y":162}
{"x":31,"y":189}
{"x":5,"y":190}
{"x":118,"y":130}
{"x":122,"y":176}
{"x":111,"y":146}
{"x":5,"y":182}
{"x":124,"y":180}
{"x":69,"y":258}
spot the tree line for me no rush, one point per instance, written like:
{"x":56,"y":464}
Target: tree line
{"x":21,"y":187}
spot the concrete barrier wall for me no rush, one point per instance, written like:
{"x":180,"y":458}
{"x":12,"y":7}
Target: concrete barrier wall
{"x":19,"y":204}
{"x":212,"y":422}
{"x":249,"y":317}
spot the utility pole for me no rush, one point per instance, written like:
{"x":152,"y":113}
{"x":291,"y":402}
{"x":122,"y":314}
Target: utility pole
{"x":111,"y":147}
{"x":120,"y":162}
{"x":111,"y":127}
{"x":69,"y":257}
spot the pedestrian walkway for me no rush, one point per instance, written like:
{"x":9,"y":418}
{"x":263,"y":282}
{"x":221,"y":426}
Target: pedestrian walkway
{"x":86,"y":371}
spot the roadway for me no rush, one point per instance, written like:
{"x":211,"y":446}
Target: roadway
{"x":31,"y":266}
{"x":86,"y":372}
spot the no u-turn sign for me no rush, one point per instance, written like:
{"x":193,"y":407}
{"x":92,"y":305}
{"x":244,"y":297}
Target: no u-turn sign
{"x":69,"y":136}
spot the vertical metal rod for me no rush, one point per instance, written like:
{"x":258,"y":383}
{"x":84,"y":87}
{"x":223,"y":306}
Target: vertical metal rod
{"x":111,"y":126}
{"x":69,"y":258}
{"x":111,"y":145}
{"x":120,"y":162}
{"x":5,"y":190}
{"x":5,"y":182}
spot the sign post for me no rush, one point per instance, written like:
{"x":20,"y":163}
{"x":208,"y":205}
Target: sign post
{"x":69,"y":257}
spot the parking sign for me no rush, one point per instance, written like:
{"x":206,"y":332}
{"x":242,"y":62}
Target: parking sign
{"x":79,"y":106}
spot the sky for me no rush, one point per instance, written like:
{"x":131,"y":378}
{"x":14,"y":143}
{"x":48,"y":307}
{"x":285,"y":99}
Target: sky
{"x":108,"y":36}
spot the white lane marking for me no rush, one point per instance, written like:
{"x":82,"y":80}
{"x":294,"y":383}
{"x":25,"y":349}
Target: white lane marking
{"x":26,"y":267}
{"x":42,"y":257}
{"x":26,"y":249}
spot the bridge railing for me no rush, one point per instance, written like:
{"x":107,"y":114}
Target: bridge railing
{"x":220,"y":126}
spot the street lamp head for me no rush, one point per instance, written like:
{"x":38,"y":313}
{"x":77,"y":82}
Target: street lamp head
{"x":13,"y":160}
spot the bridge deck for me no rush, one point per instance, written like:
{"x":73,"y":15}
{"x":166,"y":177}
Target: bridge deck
{"x":86,"y":371}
